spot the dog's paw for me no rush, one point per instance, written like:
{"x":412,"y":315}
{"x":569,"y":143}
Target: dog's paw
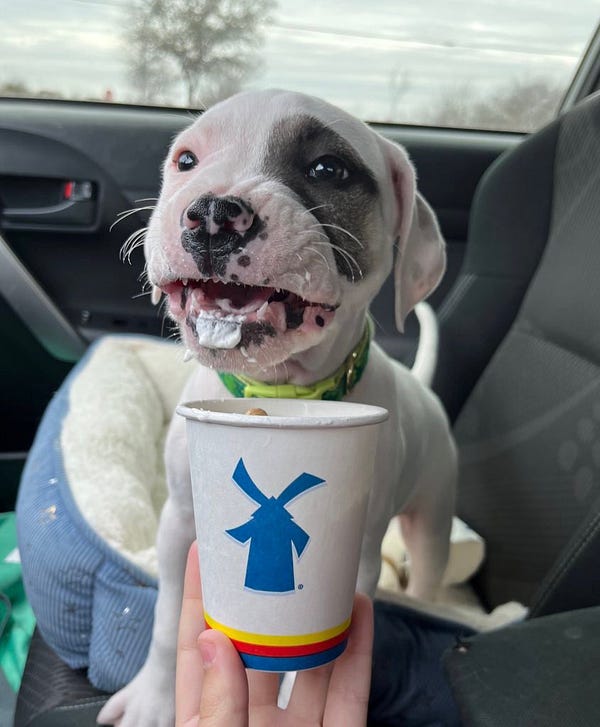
{"x":144,"y":701}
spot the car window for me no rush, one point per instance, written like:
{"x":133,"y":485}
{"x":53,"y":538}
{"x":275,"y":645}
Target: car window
{"x":472,"y":64}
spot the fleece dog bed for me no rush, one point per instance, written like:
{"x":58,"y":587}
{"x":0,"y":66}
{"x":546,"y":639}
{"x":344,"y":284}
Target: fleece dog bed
{"x":89,"y":504}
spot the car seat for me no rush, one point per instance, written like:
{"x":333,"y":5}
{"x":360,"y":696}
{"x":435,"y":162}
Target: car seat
{"x":529,"y":430}
{"x":518,"y":372}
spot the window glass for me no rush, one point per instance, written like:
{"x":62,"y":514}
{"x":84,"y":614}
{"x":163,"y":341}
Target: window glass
{"x":469,"y":63}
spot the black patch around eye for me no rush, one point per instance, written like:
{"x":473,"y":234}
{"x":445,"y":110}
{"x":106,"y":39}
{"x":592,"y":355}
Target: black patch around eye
{"x":186,"y":160}
{"x":328,"y":168}
{"x":344,"y":207}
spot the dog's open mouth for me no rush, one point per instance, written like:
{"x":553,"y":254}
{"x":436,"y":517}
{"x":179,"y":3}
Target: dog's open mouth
{"x":226,"y":315}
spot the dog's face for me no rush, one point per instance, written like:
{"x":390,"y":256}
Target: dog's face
{"x":276,"y":225}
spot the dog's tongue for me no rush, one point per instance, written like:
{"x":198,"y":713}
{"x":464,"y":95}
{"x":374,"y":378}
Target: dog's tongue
{"x":234,"y":298}
{"x":217,"y":331}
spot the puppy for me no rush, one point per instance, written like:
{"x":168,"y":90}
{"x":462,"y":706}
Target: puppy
{"x":277,"y":223}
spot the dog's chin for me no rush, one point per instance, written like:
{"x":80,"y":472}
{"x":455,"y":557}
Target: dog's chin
{"x":243,"y":328}
{"x":261,"y":358}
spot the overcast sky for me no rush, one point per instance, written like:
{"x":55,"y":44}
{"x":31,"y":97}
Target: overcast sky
{"x":351,"y":52}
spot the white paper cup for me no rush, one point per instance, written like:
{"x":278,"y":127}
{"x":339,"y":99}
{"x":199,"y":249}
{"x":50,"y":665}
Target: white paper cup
{"x":280,"y":504}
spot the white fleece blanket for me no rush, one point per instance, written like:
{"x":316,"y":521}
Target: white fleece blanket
{"x":113,"y":439}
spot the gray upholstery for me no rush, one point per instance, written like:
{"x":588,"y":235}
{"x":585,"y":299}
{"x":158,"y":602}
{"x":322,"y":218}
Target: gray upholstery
{"x":508,"y":232}
{"x":54,"y":695}
{"x":529,"y":433}
{"x":541,"y":673}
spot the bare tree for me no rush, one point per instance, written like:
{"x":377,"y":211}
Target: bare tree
{"x":517,"y":106}
{"x":18,"y":89}
{"x":398,"y":85}
{"x":150,"y":73}
{"x":208,"y":45}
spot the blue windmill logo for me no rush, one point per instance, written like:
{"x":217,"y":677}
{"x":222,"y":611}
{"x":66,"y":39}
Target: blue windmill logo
{"x":272,"y":532}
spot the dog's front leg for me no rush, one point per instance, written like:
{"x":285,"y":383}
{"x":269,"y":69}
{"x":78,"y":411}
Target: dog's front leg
{"x":149,"y":699}
{"x":427,"y":520}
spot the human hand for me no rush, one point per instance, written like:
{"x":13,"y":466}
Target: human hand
{"x":213,"y":689}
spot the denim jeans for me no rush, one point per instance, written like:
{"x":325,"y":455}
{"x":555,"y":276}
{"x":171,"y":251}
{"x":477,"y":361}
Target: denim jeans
{"x":409,"y":687}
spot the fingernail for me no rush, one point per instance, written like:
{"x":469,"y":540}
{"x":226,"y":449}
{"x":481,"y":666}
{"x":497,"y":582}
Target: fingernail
{"x":208,"y":653}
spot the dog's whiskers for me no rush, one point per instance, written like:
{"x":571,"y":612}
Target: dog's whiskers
{"x":355,"y":268}
{"x":319,"y":253}
{"x":144,"y":279}
{"x":124,"y":214}
{"x":314,"y":230}
{"x":135,"y":240}
{"x":345,"y":231}
{"x":175,"y":333}
{"x":316,"y":207}
{"x":350,"y":259}
{"x":141,"y":295}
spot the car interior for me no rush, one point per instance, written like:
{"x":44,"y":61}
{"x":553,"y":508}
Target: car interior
{"x":517,"y":369}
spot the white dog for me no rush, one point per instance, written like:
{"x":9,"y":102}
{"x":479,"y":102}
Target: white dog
{"x":277,"y":223}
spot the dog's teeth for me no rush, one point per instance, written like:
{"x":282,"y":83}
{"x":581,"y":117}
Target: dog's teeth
{"x":156,"y":295}
{"x":260,"y":313}
{"x":188,"y":355}
{"x":224,"y":304}
{"x":197,"y":296}
{"x":185,"y":282}
{"x":243,"y":352}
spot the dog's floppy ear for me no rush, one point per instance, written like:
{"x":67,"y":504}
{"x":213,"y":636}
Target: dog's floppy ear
{"x":421,"y":251}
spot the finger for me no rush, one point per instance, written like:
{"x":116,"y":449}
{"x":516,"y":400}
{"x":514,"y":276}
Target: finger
{"x":263,"y":688}
{"x":348,"y":698}
{"x":224,"y":700}
{"x":189,"y":671}
{"x":310,"y":694}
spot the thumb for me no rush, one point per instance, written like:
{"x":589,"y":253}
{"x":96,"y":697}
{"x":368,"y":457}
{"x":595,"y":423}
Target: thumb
{"x":224,"y":700}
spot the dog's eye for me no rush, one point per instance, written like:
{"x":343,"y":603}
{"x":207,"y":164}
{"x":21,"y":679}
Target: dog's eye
{"x":186,"y":160}
{"x":328,"y":168}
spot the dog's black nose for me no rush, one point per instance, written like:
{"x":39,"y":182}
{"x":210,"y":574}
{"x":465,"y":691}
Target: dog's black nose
{"x":217,"y":228}
{"x":213,"y":215}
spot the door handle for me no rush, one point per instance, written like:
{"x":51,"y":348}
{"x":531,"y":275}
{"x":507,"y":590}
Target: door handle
{"x":74,"y":193}
{"x":63,"y":204}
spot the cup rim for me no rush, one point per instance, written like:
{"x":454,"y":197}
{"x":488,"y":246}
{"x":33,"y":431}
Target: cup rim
{"x":340,"y":414}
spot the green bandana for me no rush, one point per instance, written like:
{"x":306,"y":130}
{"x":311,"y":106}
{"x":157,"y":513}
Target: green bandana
{"x":333,"y":388}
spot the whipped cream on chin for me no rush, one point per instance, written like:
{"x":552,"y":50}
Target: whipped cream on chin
{"x":218,"y":331}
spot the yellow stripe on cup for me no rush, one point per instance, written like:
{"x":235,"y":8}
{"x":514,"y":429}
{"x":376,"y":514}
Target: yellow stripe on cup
{"x":267,"y":640}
